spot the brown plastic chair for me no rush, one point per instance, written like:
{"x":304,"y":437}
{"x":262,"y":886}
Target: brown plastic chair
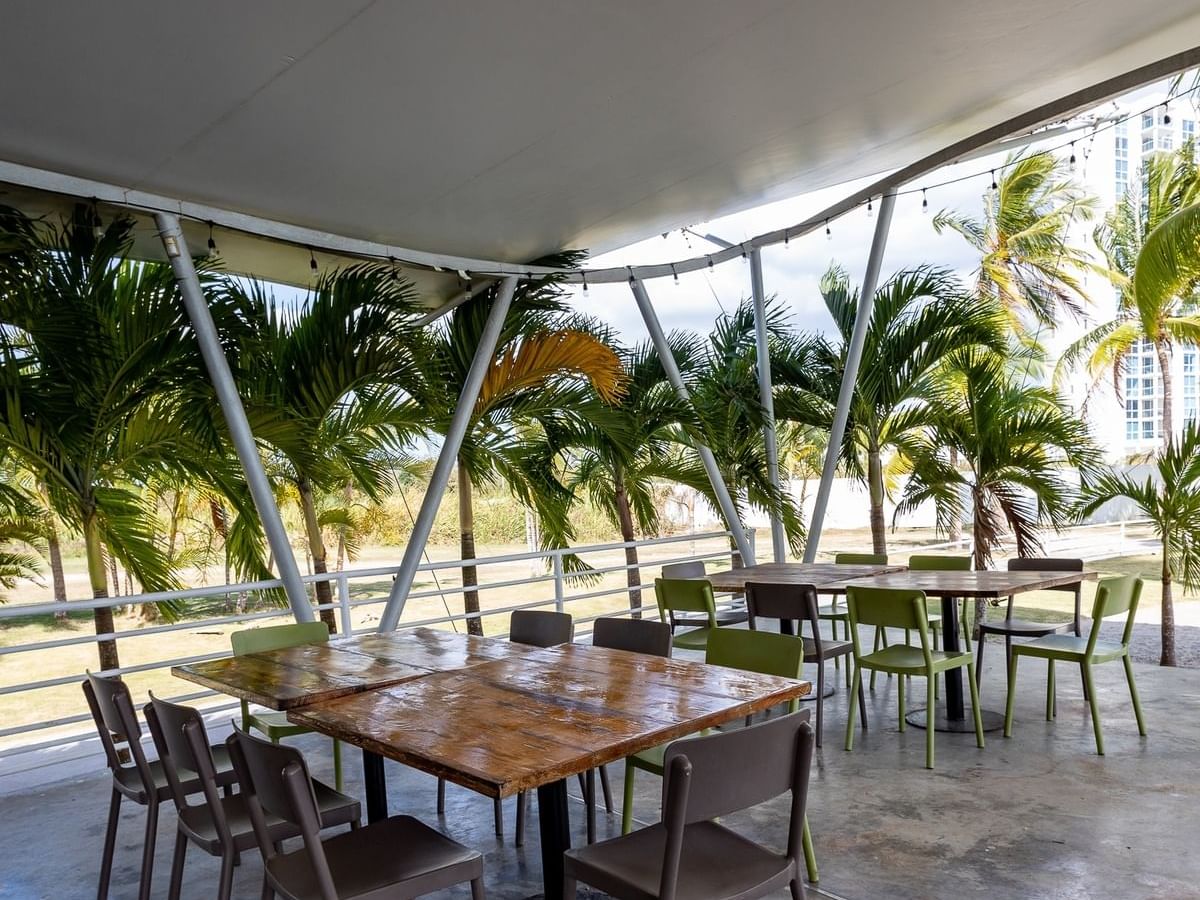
{"x":689,"y":855}
{"x":792,"y":603}
{"x":398,"y":857}
{"x":694,"y":568}
{"x":632,"y":636}
{"x":1023,"y":628}
{"x":220,"y":826}
{"x":142,"y":781}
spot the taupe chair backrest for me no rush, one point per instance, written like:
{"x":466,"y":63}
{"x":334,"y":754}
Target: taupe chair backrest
{"x":793,"y":602}
{"x":276,"y":781}
{"x":540,"y":628}
{"x":693,"y":568}
{"x":116,"y":721}
{"x":182,"y":744}
{"x":1049,"y":564}
{"x":719,"y":774}
{"x":634,"y":635}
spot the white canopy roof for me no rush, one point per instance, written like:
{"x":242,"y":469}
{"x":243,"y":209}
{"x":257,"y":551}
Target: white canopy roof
{"x":506,"y":130}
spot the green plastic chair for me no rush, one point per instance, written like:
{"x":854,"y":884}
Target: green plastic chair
{"x":275,"y":725}
{"x":897,"y":608}
{"x":763,"y":652}
{"x":1114,"y":596}
{"x":687,"y":595}
{"x":834,"y":614}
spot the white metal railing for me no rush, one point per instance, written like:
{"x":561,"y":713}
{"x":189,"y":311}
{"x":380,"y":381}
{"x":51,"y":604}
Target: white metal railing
{"x":563,"y":591}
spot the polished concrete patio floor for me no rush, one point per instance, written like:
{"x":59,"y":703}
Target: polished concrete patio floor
{"x":1039,"y":815}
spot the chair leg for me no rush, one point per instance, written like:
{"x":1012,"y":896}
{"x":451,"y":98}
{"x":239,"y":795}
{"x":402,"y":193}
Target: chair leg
{"x":1012,"y":696}
{"x":477,"y":889}
{"x":627,"y":800}
{"x":821,"y":700}
{"x":441,"y":797}
{"x":569,"y":887}
{"x":225,"y":891}
{"x":966,"y":627}
{"x":1133,"y":695}
{"x":862,"y":697}
{"x":900,"y":697}
{"x":979,"y":659}
{"x":268,"y":892}
{"x":797,"y":887}
{"x":1050,"y":691}
{"x":110,"y":843}
{"x":880,"y":637}
{"x":338,"y":781}
{"x":148,"y":850}
{"x":519,"y":827}
{"x":850,"y":719}
{"x":930,"y":701}
{"x":589,"y":803}
{"x":977,"y":713}
{"x":1094,"y":703}
{"x":810,"y":855}
{"x":606,"y":789}
{"x":177,"y":861}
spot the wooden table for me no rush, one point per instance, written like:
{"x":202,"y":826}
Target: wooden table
{"x":831,"y":578}
{"x":297,"y":676}
{"x":531,"y":722}
{"x":951,"y":587}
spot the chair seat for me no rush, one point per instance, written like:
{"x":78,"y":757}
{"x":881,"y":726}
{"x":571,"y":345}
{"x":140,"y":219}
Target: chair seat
{"x":1067,"y":646}
{"x":130,"y":782}
{"x":724,"y":617}
{"x":1024,"y":628}
{"x":829,"y":649}
{"x":370,"y":862}
{"x":696,"y":639}
{"x":275,"y":725}
{"x":714,"y":863}
{"x":909,"y":660}
{"x":335,"y":809}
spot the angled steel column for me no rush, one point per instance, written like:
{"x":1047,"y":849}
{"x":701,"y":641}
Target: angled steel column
{"x":235,"y":415}
{"x":446,"y":458}
{"x":724,"y":500}
{"x":778,"y":538}
{"x":862,"y":321}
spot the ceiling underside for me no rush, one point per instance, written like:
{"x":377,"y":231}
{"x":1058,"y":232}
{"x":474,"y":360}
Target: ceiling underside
{"x":509,"y":130}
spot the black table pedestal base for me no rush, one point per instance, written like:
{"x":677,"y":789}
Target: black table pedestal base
{"x":375,"y":784}
{"x":555,"y":827}
{"x":992,"y":720}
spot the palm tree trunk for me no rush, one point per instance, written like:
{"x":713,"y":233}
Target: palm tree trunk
{"x":633,"y":576}
{"x":98,"y":575}
{"x":57,"y":577}
{"x":980,"y":553}
{"x":1167,"y":658}
{"x":1163,"y":350}
{"x":466,"y":545}
{"x":316,"y":549}
{"x":955,"y":530}
{"x":875,"y":488}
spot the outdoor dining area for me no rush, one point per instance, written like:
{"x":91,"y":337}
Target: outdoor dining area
{"x":708,"y":713}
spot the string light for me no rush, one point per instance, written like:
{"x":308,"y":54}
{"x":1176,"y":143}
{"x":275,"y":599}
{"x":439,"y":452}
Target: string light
{"x":710,"y":266}
{"x":1166,"y":120}
{"x":584,"y":274}
{"x":395,"y":273}
{"x":870,"y":209}
{"x":828,"y":233}
{"x":673,"y":272}
{"x":1072,"y":162}
{"x":212,"y":245}
{"x":924,"y":202}
{"x":786,"y":237}
{"x":994,"y":186}
{"x":97,"y":222}
{"x":312,"y":260}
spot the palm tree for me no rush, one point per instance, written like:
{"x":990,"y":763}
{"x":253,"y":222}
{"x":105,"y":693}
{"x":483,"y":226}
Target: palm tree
{"x":920,"y":317}
{"x":327,"y":384}
{"x":1015,"y":442}
{"x":21,"y":531}
{"x":724,"y":391}
{"x":1172,"y":503}
{"x":1150,"y":241}
{"x":1027,"y":262}
{"x":98,"y":375}
{"x":549,"y":372}
{"x":619,"y":475}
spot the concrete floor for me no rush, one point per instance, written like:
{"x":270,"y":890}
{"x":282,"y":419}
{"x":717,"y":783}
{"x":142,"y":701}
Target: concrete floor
{"x":1039,"y":815}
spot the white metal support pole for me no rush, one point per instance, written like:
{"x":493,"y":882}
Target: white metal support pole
{"x":724,"y":500}
{"x":778,"y":538}
{"x":235,"y":415}
{"x":446,"y":458}
{"x":862,"y":321}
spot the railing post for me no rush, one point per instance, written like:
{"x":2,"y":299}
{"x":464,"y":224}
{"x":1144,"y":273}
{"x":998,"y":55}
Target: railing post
{"x":557,"y":567}
{"x":343,"y":584}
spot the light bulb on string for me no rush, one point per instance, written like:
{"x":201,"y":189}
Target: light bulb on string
{"x":870,"y":209}
{"x":97,"y":222}
{"x":312,"y":260}
{"x":583,"y":275}
{"x":1072,"y":162}
{"x":395,"y":271}
{"x":924,"y":202}
{"x":828,"y":233}
{"x":710,"y":266}
{"x":674,"y":273}
{"x":212,"y":244}
{"x":1166,"y":118}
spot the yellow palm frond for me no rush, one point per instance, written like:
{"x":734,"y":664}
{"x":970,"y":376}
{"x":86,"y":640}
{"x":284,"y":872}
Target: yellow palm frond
{"x":540,"y":357}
